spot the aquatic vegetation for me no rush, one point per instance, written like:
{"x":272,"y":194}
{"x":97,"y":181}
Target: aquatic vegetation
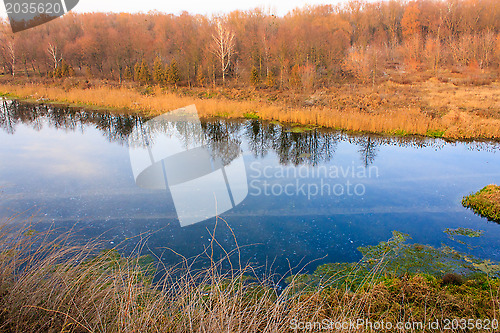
{"x":485,"y":202}
{"x":50,"y":284}
{"x":395,"y":258}
{"x":300,"y":129}
{"x":463,"y":232}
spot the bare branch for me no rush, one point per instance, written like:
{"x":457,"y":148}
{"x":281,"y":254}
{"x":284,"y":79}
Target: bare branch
{"x":223,"y":47}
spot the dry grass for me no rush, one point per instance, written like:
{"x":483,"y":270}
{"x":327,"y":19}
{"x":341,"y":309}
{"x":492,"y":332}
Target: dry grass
{"x":392,"y":108}
{"x":48,"y":284}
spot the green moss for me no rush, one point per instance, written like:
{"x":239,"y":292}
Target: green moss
{"x":223,"y":115}
{"x":395,"y":258}
{"x":399,"y":132}
{"x":485,"y":202}
{"x":435,"y":133}
{"x":296,"y":128}
{"x":251,"y":115}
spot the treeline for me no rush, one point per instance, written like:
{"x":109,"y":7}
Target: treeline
{"x":309,"y":47}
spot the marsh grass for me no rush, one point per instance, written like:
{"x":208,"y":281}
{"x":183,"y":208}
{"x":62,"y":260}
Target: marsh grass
{"x":485,"y":202}
{"x":359,"y":111}
{"x":49,"y":283}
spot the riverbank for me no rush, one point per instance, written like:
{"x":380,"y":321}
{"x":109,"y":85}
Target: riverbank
{"x":485,"y":202}
{"x":428,"y":108}
{"x":58,"y":286}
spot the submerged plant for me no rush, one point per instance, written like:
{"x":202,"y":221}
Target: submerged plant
{"x":395,"y":258}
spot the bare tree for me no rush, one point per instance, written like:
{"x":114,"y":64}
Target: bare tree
{"x":223,"y":47}
{"x":11,"y":54}
{"x":54,"y":54}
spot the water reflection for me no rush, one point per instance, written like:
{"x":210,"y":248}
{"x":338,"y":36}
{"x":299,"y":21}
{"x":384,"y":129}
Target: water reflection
{"x":73,"y":165}
{"x":205,"y":178}
{"x":310,"y":147}
{"x":116,"y":128}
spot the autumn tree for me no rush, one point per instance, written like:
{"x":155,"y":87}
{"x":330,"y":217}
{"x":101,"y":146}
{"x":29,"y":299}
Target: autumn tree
{"x":158,"y":72}
{"x":144,"y":73}
{"x":54,"y":55}
{"x":10,"y":48}
{"x":173,"y":73}
{"x":63,"y":70}
{"x":201,"y":79}
{"x":137,"y":72}
{"x":127,"y":74}
{"x":410,"y":23}
{"x":223,"y":46}
{"x":411,"y":27}
{"x":295,"y":77}
{"x":270,"y":79}
{"x":254,"y":76}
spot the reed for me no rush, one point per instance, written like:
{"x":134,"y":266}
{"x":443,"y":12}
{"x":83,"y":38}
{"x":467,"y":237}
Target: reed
{"x":49,"y":283}
{"x":390,"y":117}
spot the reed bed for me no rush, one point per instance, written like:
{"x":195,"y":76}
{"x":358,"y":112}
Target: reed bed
{"x":49,"y":283}
{"x":389,"y":119}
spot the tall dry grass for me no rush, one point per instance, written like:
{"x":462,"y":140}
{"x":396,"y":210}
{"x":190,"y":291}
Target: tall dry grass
{"x":393,"y":119}
{"x":49,"y":283}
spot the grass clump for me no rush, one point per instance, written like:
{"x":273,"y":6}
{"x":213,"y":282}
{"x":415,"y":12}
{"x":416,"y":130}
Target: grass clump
{"x":250,"y":115}
{"x":485,"y":202}
{"x":435,"y":133}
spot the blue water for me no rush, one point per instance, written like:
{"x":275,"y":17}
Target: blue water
{"x":313,"y":197}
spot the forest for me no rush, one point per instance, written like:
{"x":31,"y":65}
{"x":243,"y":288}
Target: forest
{"x":309,"y":48}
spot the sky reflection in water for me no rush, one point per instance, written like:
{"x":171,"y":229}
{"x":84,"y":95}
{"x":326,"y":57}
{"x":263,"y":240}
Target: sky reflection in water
{"x":312,"y":194}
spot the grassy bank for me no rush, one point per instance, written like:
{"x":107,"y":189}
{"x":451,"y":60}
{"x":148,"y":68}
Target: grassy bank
{"x":48,"y":284}
{"x":485,"y":202}
{"x":427,"y":108}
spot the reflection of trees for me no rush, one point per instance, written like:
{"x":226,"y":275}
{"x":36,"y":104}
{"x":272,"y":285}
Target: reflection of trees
{"x":7,"y":121}
{"x":311,"y":147}
{"x":222,"y":137}
{"x":260,"y":137}
{"x":116,"y":128}
{"x":368,"y":150}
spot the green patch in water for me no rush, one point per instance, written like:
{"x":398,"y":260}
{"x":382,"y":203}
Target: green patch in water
{"x":395,"y":258}
{"x":463,"y":232}
{"x":300,"y":129}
